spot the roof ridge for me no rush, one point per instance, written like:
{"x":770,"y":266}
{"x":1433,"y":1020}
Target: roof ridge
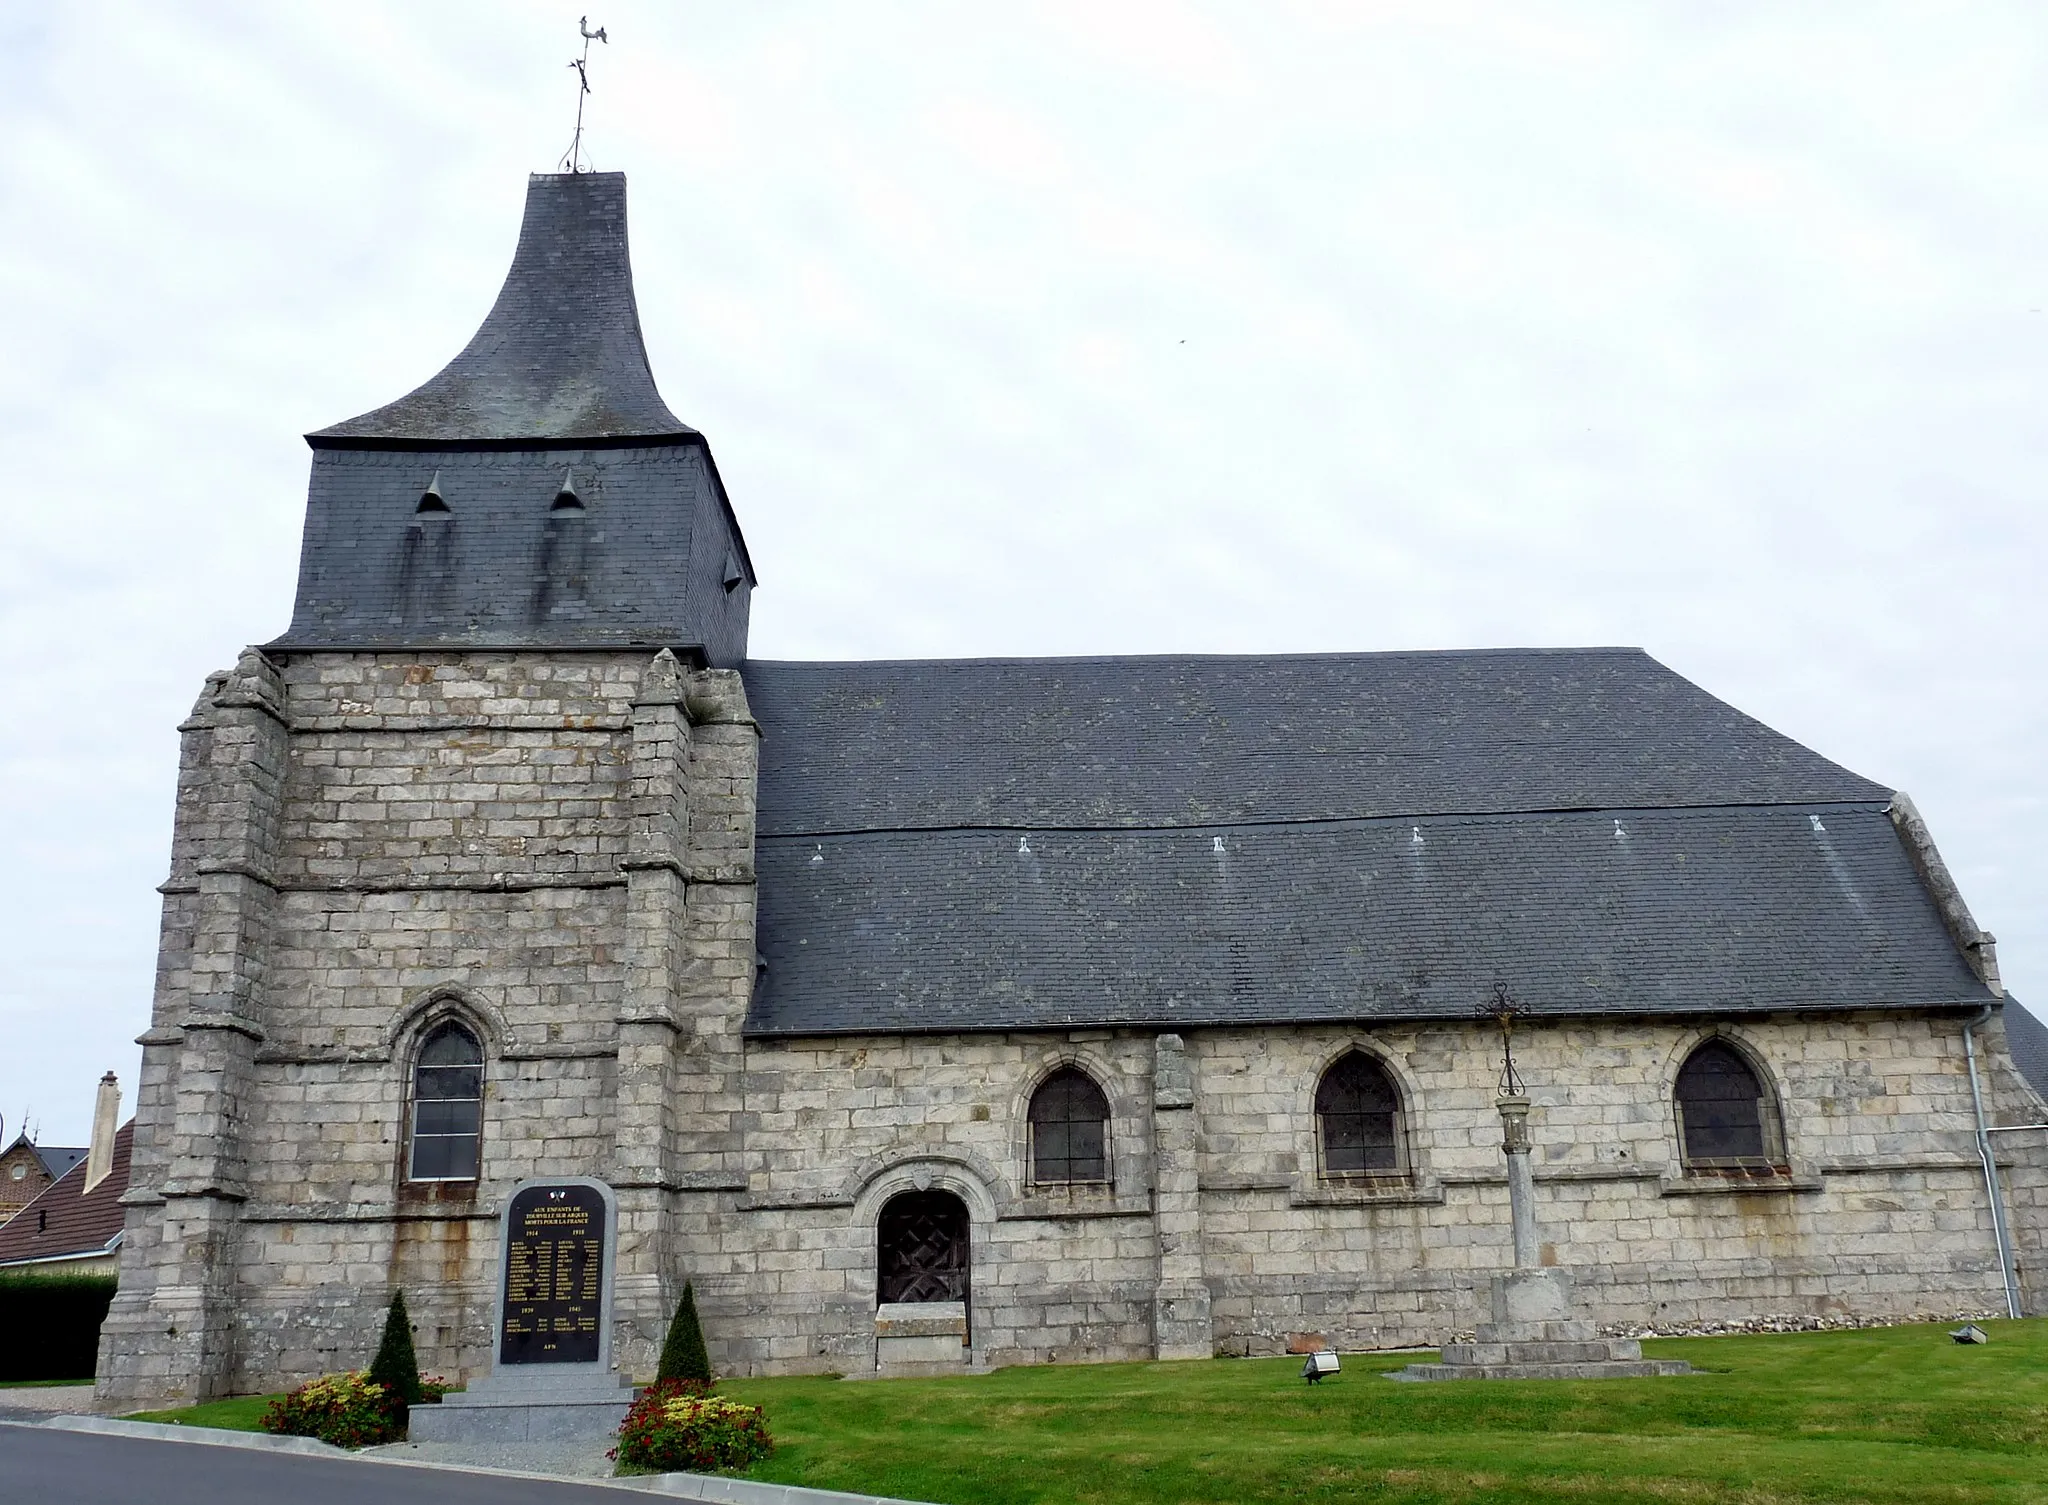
{"x":1334,"y":655}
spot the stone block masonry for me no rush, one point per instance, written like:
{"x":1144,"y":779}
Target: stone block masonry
{"x":558,"y":849}
{"x":367,"y":843}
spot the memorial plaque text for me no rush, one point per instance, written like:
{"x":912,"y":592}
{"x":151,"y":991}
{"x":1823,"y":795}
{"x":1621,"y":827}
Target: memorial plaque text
{"x":554,"y":1276}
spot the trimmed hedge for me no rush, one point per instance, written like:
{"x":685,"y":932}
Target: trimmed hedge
{"x":50,"y":1325}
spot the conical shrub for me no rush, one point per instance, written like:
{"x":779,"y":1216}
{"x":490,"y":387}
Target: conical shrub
{"x":395,"y":1367}
{"x":683,"y":1356}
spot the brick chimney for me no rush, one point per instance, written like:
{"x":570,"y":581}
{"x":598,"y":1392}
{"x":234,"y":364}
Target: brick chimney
{"x":106,"y":1119}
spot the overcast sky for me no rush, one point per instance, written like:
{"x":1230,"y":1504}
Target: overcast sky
{"x":1051,"y":329}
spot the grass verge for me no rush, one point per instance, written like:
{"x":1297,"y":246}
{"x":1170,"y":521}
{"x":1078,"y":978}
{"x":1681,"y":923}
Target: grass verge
{"x":240,"y":1413}
{"x":1889,"y":1416}
{"x":1886,"y":1416}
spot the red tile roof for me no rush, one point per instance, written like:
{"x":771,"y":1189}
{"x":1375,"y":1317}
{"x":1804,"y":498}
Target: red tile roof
{"x":68,"y":1219}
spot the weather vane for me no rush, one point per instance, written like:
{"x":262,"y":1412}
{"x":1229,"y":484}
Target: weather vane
{"x":1503,"y":1010}
{"x":573,"y":160}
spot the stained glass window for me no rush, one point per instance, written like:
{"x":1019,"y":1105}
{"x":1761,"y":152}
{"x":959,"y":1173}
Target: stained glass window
{"x":1723,"y":1112}
{"x":447,"y":1106}
{"x":1358,"y":1118}
{"x":1069,"y":1130}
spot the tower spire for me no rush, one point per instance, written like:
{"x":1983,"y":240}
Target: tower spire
{"x":559,"y":358}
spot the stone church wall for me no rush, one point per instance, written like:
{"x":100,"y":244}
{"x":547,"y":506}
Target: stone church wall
{"x":558,"y":850}
{"x":1884,"y":1213}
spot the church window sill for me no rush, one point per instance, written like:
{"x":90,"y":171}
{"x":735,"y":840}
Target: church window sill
{"x":1739,"y":1180}
{"x":1369,"y":1191}
{"x":1080,"y":1200}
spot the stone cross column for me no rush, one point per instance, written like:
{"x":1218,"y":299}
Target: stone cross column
{"x":1514,"y":1123}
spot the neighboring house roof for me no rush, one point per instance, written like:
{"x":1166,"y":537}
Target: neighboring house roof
{"x":1200,"y":841}
{"x":54,"y":1159}
{"x":68,"y":1220}
{"x":57,"y":1159}
{"x":559,"y":359}
{"x":2027,"y":1037}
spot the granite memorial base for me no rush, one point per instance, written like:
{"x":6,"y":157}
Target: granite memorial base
{"x":554,"y":1380}
{"x":1534,"y":1336}
{"x":539,"y":1407}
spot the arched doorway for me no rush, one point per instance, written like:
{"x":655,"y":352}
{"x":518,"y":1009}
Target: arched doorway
{"x":922,"y":1248}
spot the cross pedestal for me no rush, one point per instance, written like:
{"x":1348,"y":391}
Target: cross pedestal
{"x":1533,"y":1334}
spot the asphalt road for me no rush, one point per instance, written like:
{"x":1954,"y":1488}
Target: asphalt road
{"x":42,"y":1467}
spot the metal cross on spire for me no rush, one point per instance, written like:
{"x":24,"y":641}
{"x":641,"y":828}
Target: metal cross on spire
{"x":573,"y":159}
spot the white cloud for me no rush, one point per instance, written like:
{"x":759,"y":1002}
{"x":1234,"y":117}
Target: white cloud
{"x":1719,"y":331}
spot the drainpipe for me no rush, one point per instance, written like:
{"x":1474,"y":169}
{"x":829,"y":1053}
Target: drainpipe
{"x":1998,"y":1231}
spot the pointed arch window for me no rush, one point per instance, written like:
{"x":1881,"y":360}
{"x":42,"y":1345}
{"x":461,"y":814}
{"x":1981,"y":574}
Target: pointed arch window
{"x":1358,"y":1120}
{"x":1069,"y":1130}
{"x":447,"y":1106}
{"x":1727,"y":1119}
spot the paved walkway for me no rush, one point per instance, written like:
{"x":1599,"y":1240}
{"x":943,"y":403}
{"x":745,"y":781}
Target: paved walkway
{"x":78,"y":1468}
{"x":568,"y":1460}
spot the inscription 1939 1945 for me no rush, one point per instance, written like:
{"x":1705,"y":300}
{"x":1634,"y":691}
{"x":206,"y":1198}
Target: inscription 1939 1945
{"x":554,"y":1274}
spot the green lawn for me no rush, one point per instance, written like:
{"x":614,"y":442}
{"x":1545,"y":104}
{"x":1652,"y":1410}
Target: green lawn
{"x":238,"y":1414}
{"x":1893,"y":1414}
{"x":1898,"y":1414}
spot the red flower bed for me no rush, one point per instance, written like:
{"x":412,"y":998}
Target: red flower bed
{"x":676,"y":1425}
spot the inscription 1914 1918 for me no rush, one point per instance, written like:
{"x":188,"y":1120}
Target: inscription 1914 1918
{"x":554,"y":1273}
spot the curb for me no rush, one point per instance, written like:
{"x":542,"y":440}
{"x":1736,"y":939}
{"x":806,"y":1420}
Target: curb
{"x":710,"y":1487}
{"x":745,"y":1491}
{"x":215,"y":1437}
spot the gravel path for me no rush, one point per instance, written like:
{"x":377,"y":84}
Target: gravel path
{"x":47,"y":1400}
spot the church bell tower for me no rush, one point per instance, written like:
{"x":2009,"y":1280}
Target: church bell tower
{"x":462,"y":883}
{"x":537,"y":492}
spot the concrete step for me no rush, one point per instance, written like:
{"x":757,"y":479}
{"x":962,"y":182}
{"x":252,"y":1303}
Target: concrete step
{"x":1638,"y":1369}
{"x":1566,"y":1331}
{"x":1592,"y":1351}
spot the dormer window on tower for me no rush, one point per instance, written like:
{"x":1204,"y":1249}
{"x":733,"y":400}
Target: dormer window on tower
{"x":431,"y":499}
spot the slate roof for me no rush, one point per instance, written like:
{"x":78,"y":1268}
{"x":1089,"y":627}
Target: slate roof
{"x":57,"y":1159}
{"x":2027,"y":1037}
{"x":643,"y":562}
{"x":66,"y":1218}
{"x":1177,"y":842}
{"x":537,"y":492}
{"x":559,"y":359}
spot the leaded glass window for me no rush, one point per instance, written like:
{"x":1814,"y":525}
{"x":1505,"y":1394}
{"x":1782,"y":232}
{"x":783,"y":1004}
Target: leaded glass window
{"x":447,"y":1106}
{"x":1358,"y":1118}
{"x":1069,"y":1130}
{"x":1725,"y":1117}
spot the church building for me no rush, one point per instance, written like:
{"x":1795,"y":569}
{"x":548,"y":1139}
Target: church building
{"x":934,"y":1016}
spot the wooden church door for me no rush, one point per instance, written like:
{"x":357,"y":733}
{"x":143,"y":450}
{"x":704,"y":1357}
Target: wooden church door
{"x":923,"y":1247}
